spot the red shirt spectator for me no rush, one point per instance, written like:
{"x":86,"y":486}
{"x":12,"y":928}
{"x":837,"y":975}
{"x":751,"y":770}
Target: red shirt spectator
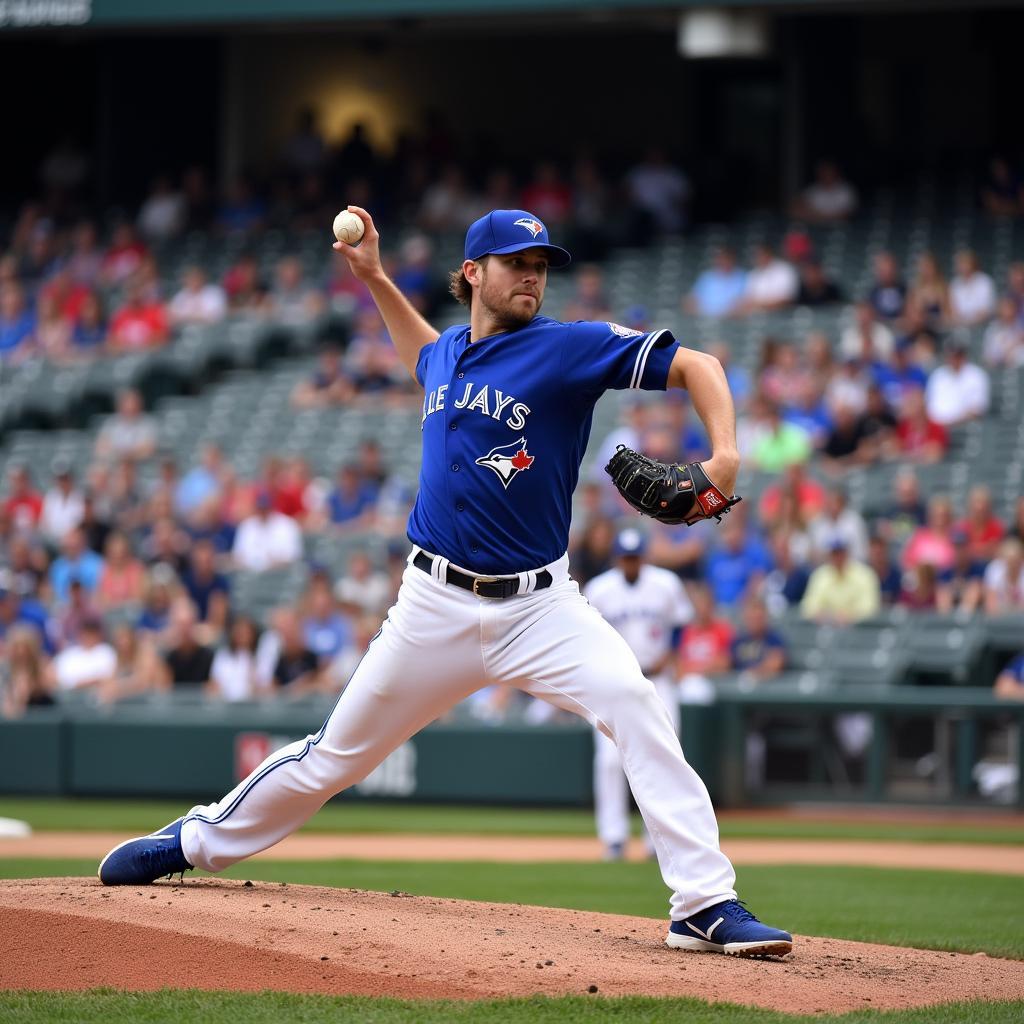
{"x":810,"y":495}
{"x":703,"y":647}
{"x":921,"y":594}
{"x":238,"y":497}
{"x":139,"y":323}
{"x":68,"y":295}
{"x":289,"y":492}
{"x":124,"y":256}
{"x":983,"y":527}
{"x":918,"y":437}
{"x":25,"y":504}
{"x":547,"y":196}
{"x":706,"y":643}
{"x":922,"y":442}
{"x":244,"y":285}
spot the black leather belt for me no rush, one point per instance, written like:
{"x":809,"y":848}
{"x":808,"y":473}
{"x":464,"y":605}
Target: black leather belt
{"x":483,"y":586}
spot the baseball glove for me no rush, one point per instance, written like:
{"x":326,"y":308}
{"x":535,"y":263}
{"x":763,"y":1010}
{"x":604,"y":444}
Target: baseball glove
{"x":669,"y":493}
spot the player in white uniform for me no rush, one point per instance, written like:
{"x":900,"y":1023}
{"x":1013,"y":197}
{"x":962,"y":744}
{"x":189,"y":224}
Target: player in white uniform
{"x":486,"y":597}
{"x":647,"y":606}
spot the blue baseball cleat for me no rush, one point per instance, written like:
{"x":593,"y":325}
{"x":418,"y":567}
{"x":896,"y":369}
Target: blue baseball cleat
{"x":728,"y":927}
{"x":144,"y":860}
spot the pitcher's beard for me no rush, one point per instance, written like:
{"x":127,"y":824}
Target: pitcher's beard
{"x":509,"y":317}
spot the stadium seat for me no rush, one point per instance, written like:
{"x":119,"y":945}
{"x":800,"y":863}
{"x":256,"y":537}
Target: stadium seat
{"x":942,"y":648}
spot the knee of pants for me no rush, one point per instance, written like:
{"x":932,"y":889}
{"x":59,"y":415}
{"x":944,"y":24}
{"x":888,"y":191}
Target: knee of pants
{"x":628,"y":696}
{"x":331,"y":770}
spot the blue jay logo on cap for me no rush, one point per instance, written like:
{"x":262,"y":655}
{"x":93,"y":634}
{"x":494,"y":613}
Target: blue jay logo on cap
{"x":533,"y":226}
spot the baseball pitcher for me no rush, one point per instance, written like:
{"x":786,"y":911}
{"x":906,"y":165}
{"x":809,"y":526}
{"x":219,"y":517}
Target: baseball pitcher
{"x":486,"y":597}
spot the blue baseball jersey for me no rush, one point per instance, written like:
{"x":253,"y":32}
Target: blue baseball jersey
{"x":506,"y":422}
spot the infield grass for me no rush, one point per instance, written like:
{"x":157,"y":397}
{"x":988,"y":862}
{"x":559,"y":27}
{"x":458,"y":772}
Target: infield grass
{"x":103,"y":1006}
{"x":106,"y":815}
{"x":927,"y":909}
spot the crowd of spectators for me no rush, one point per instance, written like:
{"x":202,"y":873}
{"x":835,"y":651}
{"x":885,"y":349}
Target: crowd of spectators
{"x":70,"y":291}
{"x":895,"y":386}
{"x":109,"y":585}
{"x":117,"y":588}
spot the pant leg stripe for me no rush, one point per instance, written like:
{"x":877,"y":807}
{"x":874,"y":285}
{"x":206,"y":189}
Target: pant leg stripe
{"x":284,"y":760}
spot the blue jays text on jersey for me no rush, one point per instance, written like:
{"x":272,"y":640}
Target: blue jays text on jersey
{"x":480,"y":397}
{"x":506,"y":422}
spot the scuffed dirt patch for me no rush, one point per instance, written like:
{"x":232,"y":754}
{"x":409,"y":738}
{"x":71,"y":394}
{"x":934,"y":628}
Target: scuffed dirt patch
{"x":72,"y":933}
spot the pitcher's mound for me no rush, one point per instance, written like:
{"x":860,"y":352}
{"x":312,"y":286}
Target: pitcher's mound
{"x":72,"y":933}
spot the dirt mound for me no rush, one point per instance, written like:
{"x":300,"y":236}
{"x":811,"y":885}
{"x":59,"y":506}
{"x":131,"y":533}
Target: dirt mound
{"x":72,"y":933}
{"x":993,"y":858}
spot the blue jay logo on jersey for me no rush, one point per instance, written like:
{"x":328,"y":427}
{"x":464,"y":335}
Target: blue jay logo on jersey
{"x":507,"y":461}
{"x":531,"y":225}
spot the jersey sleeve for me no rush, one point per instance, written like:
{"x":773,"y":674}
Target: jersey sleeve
{"x":422,"y":361}
{"x":599,"y":356}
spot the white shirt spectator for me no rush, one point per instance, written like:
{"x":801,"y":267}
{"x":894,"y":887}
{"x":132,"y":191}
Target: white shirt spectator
{"x":371,"y":594}
{"x":1008,"y":591}
{"x":207,"y":305}
{"x":263,"y":543}
{"x":972,"y":298}
{"x":953,"y":395}
{"x":162,"y":215}
{"x":777,"y":282}
{"x":1004,"y":344}
{"x":124,"y":436}
{"x":847,"y":390}
{"x":61,"y":512}
{"x":849,"y":526}
{"x":235,"y":674}
{"x":833,"y":201}
{"x":77,"y":666}
{"x":851,"y":342}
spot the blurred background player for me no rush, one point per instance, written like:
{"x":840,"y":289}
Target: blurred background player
{"x":648,"y":607}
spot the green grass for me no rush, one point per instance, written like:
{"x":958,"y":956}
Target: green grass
{"x":145,"y":815}
{"x":106,"y":1007}
{"x":927,"y":909}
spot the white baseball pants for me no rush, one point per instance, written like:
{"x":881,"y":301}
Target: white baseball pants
{"x":611,"y":791}
{"x":438,"y":645}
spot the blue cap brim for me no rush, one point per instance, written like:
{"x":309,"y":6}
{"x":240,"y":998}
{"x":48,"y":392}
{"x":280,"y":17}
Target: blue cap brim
{"x":557,"y":256}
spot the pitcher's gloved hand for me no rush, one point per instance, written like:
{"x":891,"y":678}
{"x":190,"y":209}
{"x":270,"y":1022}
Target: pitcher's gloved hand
{"x":670,"y":493}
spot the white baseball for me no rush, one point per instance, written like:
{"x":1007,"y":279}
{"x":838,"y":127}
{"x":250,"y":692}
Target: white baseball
{"x":348,"y":227}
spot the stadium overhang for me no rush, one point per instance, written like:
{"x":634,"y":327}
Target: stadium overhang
{"x":136,"y":14}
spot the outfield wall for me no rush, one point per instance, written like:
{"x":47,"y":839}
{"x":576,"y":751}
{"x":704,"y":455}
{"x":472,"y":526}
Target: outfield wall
{"x":202,"y":752}
{"x":192,"y":749}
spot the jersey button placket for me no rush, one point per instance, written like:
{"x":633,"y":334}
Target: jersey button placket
{"x":455,"y":495}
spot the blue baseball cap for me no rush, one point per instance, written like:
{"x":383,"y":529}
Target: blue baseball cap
{"x":630,"y":542}
{"x":504,"y":231}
